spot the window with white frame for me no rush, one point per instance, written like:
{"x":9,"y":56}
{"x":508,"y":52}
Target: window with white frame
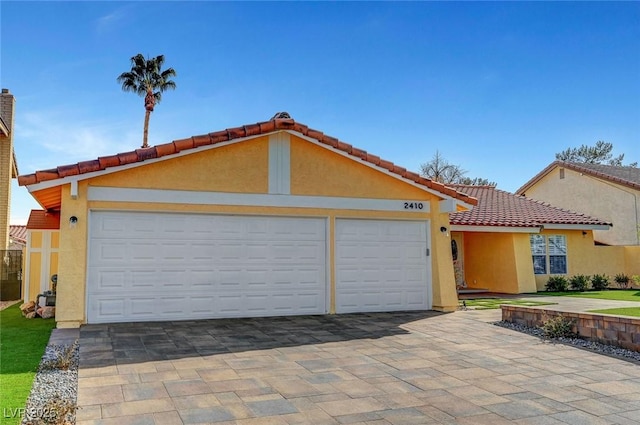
{"x":549,"y":254}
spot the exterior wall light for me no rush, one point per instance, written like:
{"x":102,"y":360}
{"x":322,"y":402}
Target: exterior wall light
{"x":73,"y":220}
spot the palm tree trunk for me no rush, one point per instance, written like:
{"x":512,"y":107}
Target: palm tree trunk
{"x":145,"y":133}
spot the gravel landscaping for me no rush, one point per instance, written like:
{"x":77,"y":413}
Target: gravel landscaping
{"x":54,"y":392}
{"x":609,"y":350}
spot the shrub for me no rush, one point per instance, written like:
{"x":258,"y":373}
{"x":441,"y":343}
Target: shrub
{"x":558,"y":327}
{"x":557,"y":284}
{"x":579,"y":282}
{"x":599,"y":282}
{"x":622,"y":280}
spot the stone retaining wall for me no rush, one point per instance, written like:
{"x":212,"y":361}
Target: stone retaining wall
{"x":619,"y":331}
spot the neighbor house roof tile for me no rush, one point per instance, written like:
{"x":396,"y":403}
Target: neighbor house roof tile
{"x":166,"y":149}
{"x":503,"y":209}
{"x":18,"y":233}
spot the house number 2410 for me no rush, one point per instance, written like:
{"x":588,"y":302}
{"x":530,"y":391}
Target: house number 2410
{"x":413,"y":206}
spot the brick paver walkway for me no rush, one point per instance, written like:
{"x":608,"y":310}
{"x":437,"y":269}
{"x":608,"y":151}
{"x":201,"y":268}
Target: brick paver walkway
{"x":405,"y":368}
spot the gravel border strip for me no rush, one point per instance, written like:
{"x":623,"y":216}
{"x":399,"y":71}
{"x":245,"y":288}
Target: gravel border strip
{"x":609,"y":350}
{"x":54,"y":390}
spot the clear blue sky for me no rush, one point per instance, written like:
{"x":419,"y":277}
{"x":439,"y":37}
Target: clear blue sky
{"x":497,"y":88}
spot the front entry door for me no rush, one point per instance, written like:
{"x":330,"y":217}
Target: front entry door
{"x":457,"y":252}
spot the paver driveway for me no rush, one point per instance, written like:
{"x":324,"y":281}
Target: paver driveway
{"x":405,"y":368}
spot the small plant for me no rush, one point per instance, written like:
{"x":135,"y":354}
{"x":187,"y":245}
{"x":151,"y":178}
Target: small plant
{"x":60,"y":358}
{"x":622,"y":280}
{"x":579,"y":282}
{"x":599,"y":282}
{"x":636,"y":279}
{"x":557,"y":284}
{"x":56,"y":411}
{"x":558,"y":327}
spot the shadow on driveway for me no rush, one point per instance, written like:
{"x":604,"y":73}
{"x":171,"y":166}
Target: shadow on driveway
{"x":123,"y":343}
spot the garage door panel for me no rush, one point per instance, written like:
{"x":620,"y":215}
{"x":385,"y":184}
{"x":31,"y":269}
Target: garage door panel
{"x":381,"y":265}
{"x":153,"y":266}
{"x":387,"y":252}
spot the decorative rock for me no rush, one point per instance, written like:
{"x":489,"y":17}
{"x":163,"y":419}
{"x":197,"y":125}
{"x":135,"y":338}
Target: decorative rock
{"x":27,"y":307}
{"x":47,"y":312}
{"x":610,"y":350}
{"x":53,"y":397}
{"x":30,"y":315}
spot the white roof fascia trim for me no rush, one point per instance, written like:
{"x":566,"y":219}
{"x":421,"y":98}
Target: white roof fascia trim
{"x":188,"y":197}
{"x":552,"y":226}
{"x":380,"y":169}
{"x":78,"y":177}
{"x":494,"y":229}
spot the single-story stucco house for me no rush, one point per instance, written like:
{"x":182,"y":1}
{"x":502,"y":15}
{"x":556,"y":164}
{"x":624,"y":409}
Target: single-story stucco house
{"x":513,"y":244}
{"x":265,"y":219}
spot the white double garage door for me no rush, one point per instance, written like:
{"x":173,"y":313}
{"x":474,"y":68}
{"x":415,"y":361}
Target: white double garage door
{"x":168,"y":266}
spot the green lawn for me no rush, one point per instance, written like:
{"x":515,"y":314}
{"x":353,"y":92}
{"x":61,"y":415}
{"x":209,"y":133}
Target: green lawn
{"x":623,"y":311}
{"x":22,"y":343}
{"x":494,"y":303}
{"x":617,"y":295}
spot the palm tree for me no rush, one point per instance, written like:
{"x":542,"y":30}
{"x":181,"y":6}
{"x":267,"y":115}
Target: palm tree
{"x":146,"y":79}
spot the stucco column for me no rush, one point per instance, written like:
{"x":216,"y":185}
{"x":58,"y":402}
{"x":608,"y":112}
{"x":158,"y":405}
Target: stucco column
{"x":525,"y":278}
{"x":445,"y":296}
{"x":71,"y":296}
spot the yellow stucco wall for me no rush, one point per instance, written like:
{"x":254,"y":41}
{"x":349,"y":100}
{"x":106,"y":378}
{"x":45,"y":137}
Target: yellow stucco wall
{"x":632,"y":260}
{"x":500,"y":262}
{"x":35,"y":267}
{"x":584,"y":257}
{"x":607,"y":201}
{"x":311,"y":164}
{"x":41,"y":245}
{"x":239,"y":168}
{"x":243,"y":168}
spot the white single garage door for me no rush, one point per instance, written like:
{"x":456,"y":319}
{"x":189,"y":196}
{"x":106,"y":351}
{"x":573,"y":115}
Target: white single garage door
{"x":167,"y":266}
{"x":381,"y":265}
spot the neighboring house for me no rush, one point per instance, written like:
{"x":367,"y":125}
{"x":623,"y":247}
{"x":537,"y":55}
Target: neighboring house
{"x":17,"y":237}
{"x":265,"y":219}
{"x":41,"y":262}
{"x":512,"y":244}
{"x":609,"y":192}
{"x":8,"y":163}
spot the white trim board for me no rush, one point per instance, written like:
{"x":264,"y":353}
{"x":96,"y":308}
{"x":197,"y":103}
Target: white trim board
{"x":536,"y":229}
{"x":494,"y":229}
{"x":552,"y":226}
{"x":279,"y":164}
{"x":113,"y":194}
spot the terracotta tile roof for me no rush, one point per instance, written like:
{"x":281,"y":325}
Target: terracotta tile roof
{"x":265,"y":127}
{"x":18,"y":233}
{"x":503,"y":209}
{"x":43,"y":220}
{"x":626,"y":176}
